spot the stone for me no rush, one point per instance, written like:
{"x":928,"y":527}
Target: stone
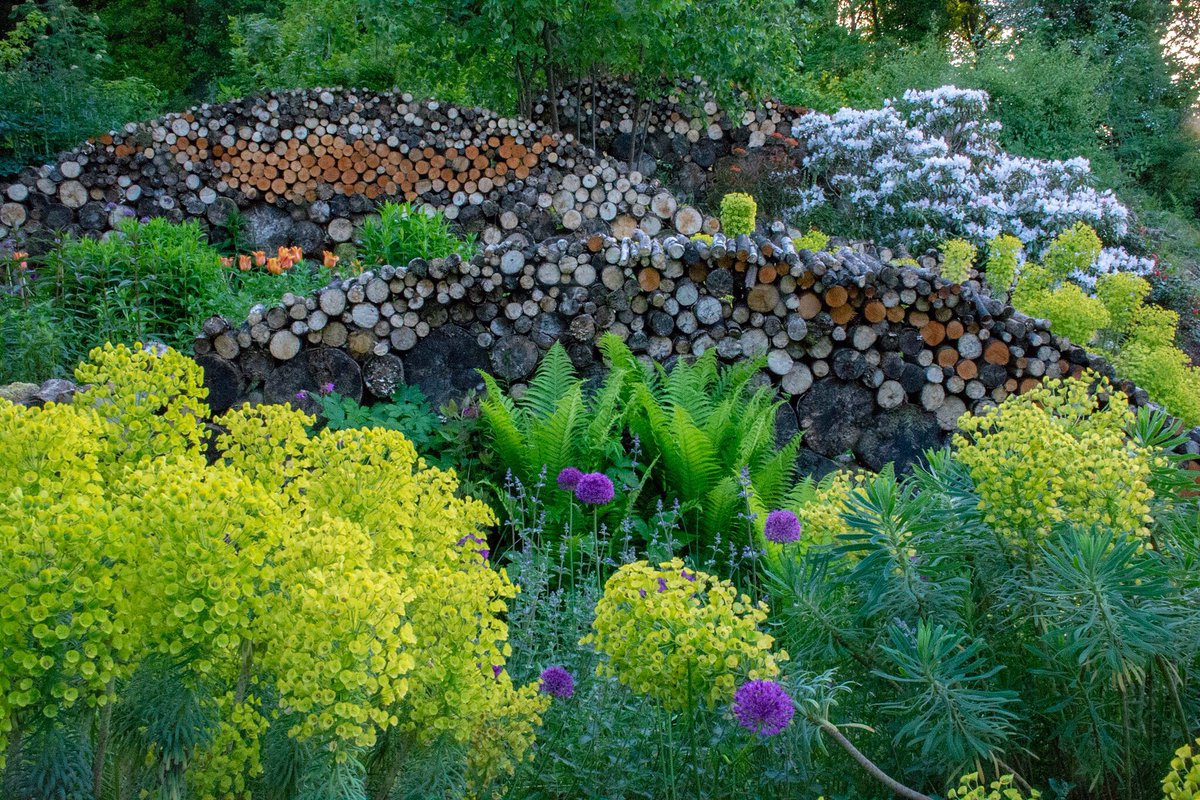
{"x":832,"y":413}
{"x":18,"y":393}
{"x":901,"y":437}
{"x":444,"y":364}
{"x":266,"y":228}
{"x":514,"y":357}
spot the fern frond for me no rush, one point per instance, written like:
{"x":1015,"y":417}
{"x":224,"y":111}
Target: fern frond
{"x":770,"y":476}
{"x":691,"y":460}
{"x":553,"y":442}
{"x":554,"y":378}
{"x":504,"y":424}
{"x":734,"y":378}
{"x":720,"y":505}
{"x":607,"y":412}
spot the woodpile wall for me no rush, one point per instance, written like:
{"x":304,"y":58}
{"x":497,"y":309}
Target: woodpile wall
{"x":878,"y":359}
{"x":305,"y":167}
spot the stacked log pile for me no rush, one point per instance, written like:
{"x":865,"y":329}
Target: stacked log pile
{"x":684,"y":127}
{"x":850,"y":336}
{"x":307,"y":166}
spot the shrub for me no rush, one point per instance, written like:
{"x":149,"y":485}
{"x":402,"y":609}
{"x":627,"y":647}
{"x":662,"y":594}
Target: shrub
{"x":1071,"y":312}
{"x":312,"y":588}
{"x":928,"y":166}
{"x":958,"y":258}
{"x":1122,"y":295}
{"x":401,"y":233}
{"x":1004,"y":257}
{"x":1183,"y":781}
{"x":680,"y":635}
{"x":1058,"y":453}
{"x":737,"y":213}
{"x":1166,"y":373}
{"x":152,"y":280}
{"x":1072,"y":251}
{"x":973,"y":787}
{"x":814,"y":240}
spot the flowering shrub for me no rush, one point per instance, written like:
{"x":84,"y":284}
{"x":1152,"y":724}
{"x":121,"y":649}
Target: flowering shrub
{"x":958,"y":257}
{"x":679,"y":635}
{"x":737,"y":213}
{"x":309,"y":582}
{"x":1183,"y":781}
{"x":928,"y":167}
{"x":972,"y":787}
{"x":1071,"y":252}
{"x":1057,"y":454}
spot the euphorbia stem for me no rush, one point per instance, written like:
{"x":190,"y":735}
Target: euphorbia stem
{"x":869,"y":765}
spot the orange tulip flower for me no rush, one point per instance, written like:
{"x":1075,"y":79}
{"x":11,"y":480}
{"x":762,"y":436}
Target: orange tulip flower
{"x":273,"y":266}
{"x":330,"y":260}
{"x":227,"y":263}
{"x":244,"y":263}
{"x":260,"y":258}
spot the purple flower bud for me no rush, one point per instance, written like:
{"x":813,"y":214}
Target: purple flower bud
{"x":782,"y":527}
{"x":557,"y":682}
{"x":568,"y":479}
{"x":662,"y":585}
{"x":327,"y":388}
{"x":763,"y":707}
{"x":302,"y":395}
{"x":496,"y":670}
{"x":594,"y":489}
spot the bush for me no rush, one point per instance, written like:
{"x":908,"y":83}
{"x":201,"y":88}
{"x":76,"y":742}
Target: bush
{"x":679,"y":635}
{"x":294,"y":589}
{"x":1122,"y":295}
{"x":814,"y":240}
{"x":958,"y":258}
{"x":737,"y":214}
{"x":1183,"y":781}
{"x":54,"y":94}
{"x":1004,"y":258}
{"x":401,"y":233}
{"x":1072,"y":251}
{"x":1057,"y":453}
{"x":1071,"y":312}
{"x":151,"y":280}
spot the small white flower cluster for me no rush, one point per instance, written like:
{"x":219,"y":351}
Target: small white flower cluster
{"x":928,"y":167}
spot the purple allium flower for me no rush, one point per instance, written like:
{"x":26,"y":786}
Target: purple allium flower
{"x":557,"y":682}
{"x":568,"y":479}
{"x":327,"y":388}
{"x":763,"y":707}
{"x":594,"y":489}
{"x":782,"y":527}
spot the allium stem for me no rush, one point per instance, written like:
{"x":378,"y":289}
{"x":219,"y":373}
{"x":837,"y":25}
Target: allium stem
{"x":869,"y":765}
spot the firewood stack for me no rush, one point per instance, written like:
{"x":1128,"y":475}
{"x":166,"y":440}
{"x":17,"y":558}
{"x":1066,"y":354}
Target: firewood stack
{"x":684,"y":128}
{"x":902,"y":335}
{"x":320,"y":160}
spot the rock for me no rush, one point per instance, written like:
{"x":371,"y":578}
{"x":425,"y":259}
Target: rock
{"x":312,"y":372}
{"x":56,"y":390}
{"x":267,"y":228}
{"x":18,"y":393}
{"x":444,"y":364}
{"x":514,"y":357}
{"x":831,"y":414}
{"x":901,"y":436}
{"x":383,"y":374}
{"x":223,"y":380}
